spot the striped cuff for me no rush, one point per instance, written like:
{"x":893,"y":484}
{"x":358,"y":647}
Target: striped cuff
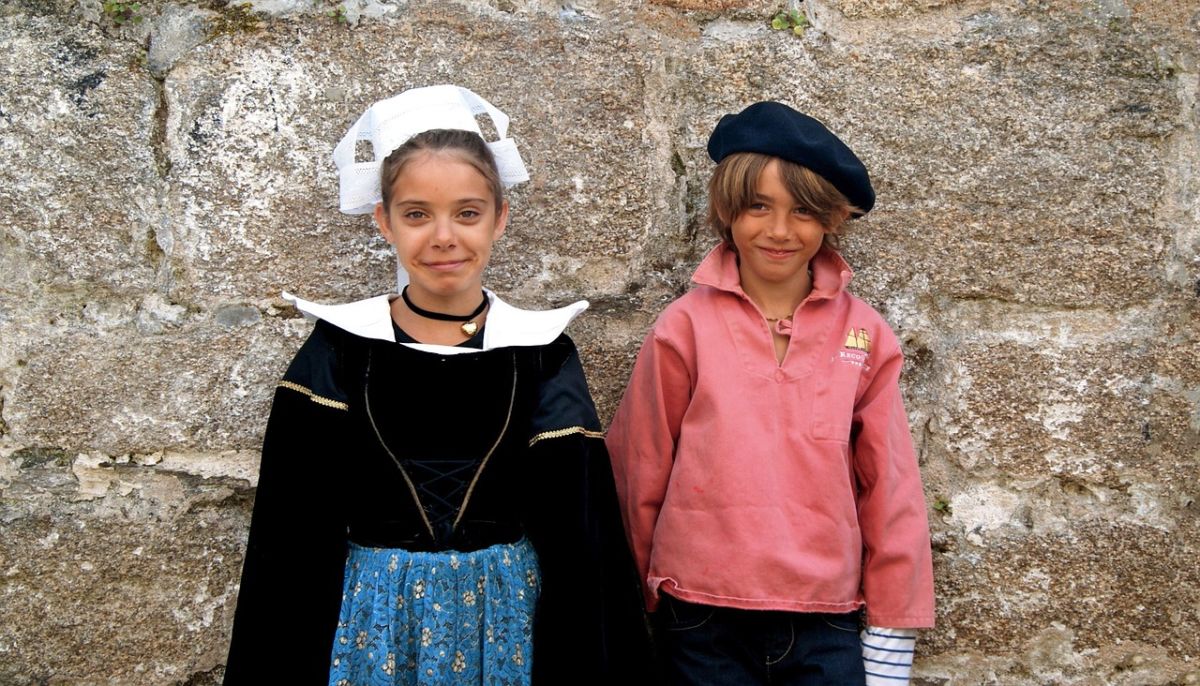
{"x":888,"y":655}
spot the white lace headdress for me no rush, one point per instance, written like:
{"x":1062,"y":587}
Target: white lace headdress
{"x":389,"y":123}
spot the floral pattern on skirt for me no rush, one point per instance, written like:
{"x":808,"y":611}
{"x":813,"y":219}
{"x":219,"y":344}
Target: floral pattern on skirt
{"x":445,"y":618}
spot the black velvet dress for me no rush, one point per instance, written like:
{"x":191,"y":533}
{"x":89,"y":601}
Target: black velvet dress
{"x":378,"y":444}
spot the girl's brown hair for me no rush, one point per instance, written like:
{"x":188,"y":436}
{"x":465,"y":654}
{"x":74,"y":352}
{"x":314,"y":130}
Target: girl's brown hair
{"x":466,"y":146}
{"x":734,"y":184}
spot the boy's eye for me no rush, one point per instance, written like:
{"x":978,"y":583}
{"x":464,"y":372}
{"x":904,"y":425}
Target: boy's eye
{"x":804,"y":211}
{"x":758,"y":206}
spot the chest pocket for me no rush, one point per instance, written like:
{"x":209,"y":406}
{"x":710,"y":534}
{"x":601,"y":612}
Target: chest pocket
{"x":835,"y":389}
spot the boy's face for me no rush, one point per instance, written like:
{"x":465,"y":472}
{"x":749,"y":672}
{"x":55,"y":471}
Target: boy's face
{"x":775,"y":237}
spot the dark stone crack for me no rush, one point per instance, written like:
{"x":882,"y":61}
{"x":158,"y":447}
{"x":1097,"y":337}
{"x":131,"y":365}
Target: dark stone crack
{"x":158,"y":135}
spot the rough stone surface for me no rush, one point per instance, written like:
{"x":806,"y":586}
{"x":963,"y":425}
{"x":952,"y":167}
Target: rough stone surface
{"x":105,"y":557}
{"x":176,"y":32}
{"x":1036,"y":246}
{"x":209,"y":389}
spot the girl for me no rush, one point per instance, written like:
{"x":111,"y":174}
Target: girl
{"x":435,"y":503}
{"x":762,"y":455}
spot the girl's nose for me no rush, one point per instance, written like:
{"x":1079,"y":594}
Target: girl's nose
{"x":443,"y":232}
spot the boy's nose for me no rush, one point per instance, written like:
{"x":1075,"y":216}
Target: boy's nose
{"x":778,"y":227}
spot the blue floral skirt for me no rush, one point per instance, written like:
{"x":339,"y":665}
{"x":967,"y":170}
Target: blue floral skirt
{"x":436,"y":618}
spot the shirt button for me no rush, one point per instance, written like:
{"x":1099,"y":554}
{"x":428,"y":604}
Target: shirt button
{"x":779,"y":375}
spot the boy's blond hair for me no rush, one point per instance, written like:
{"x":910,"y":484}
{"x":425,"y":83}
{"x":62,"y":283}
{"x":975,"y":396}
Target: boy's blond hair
{"x":734,"y":182}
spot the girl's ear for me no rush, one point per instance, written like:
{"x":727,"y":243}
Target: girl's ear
{"x":381,"y":220}
{"x":501,"y":220}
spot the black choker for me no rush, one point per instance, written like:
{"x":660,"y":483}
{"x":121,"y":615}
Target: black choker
{"x":468,"y":328}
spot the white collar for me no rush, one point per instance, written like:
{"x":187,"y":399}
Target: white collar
{"x":506,"y":325}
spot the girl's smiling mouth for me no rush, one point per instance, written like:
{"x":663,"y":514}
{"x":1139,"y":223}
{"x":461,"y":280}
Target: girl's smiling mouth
{"x":445,"y":266}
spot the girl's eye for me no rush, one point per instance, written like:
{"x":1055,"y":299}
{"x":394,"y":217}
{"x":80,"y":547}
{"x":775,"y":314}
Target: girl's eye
{"x":469,"y":214}
{"x":414,"y":214}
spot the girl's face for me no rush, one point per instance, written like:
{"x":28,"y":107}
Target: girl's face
{"x":442,"y":221}
{"x":775,"y":236}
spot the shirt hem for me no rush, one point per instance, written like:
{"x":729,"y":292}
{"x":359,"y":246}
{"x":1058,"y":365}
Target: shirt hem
{"x":670,"y":587}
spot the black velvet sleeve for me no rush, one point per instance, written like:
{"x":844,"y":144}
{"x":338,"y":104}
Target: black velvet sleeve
{"x":590,"y":623}
{"x":291,"y":580}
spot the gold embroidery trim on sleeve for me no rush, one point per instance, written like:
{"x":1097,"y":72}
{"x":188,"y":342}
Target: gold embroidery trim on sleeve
{"x":559,"y":433}
{"x":320,"y":400}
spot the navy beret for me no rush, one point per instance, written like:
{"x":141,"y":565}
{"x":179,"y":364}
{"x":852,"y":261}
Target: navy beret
{"x":772,"y":128}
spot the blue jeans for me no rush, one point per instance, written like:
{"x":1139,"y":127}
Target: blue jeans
{"x":705,"y":645}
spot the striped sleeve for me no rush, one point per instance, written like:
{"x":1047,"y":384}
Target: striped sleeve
{"x":888,"y":655}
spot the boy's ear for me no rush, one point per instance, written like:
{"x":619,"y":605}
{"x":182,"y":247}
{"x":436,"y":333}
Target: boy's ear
{"x":726,"y":222}
{"x":840,"y":216}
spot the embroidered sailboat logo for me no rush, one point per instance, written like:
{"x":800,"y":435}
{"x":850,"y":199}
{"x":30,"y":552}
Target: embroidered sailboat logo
{"x":858,"y":340}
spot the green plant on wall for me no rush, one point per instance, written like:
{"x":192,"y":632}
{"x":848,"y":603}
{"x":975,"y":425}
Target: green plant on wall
{"x":338,"y":14}
{"x":122,"y":13}
{"x":793,"y":19}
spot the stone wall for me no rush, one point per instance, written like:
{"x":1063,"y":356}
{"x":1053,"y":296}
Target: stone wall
{"x":1035,"y":245}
